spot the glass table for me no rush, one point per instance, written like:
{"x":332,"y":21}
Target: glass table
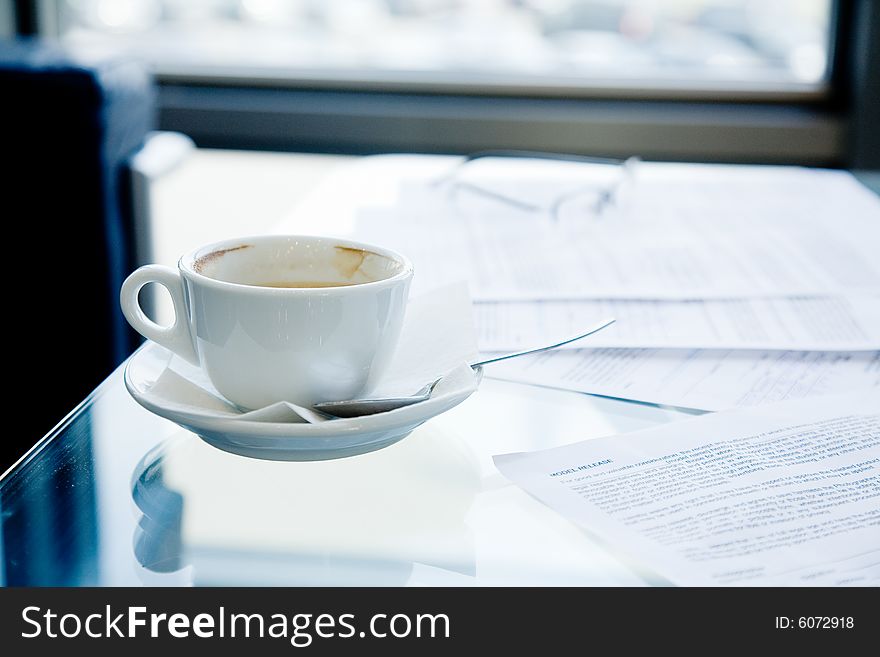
{"x":118,"y":496}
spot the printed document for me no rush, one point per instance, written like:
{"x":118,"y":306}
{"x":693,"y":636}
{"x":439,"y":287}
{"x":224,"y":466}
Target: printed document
{"x":709,"y":380}
{"x":695,"y":232}
{"x":821,"y":324}
{"x":786,"y":494}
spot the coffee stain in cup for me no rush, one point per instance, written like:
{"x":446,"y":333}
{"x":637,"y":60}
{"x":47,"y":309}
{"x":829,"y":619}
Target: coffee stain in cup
{"x":208,"y":258}
{"x":348,"y":260}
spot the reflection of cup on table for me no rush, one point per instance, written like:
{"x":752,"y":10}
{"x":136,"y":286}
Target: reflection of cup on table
{"x":320,"y":523}
{"x":281,"y":318}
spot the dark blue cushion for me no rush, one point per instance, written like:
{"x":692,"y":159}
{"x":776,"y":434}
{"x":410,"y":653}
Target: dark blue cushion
{"x":69,"y":126}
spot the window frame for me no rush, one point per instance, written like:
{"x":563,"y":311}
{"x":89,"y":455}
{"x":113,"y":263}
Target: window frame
{"x":383,"y":115}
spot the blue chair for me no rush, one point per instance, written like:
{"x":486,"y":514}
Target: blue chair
{"x":69,"y":129}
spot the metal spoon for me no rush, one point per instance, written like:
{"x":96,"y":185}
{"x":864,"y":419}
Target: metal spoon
{"x":359,"y":407}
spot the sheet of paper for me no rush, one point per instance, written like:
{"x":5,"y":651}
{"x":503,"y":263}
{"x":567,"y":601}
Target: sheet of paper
{"x":681,"y":233}
{"x":708,"y":380}
{"x":785,"y":494}
{"x":438,"y":336}
{"x":822,"y":324}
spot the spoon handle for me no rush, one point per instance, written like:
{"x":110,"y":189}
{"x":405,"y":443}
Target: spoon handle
{"x":534,"y":350}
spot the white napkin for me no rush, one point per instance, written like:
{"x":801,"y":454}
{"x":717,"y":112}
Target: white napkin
{"x":438,"y":337}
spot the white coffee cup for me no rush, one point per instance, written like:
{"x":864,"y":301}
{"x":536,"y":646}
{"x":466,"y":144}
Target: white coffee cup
{"x":260,"y":342}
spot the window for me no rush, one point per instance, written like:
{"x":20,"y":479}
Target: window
{"x":571,"y":48}
{"x":774,"y":81}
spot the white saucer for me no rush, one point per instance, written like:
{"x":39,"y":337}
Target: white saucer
{"x":283,"y":441}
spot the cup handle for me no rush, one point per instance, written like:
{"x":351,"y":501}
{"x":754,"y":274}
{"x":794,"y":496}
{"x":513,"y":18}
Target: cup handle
{"x":177,"y":337}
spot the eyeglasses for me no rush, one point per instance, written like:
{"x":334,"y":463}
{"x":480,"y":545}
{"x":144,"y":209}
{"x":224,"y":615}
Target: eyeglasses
{"x":594,"y":199}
